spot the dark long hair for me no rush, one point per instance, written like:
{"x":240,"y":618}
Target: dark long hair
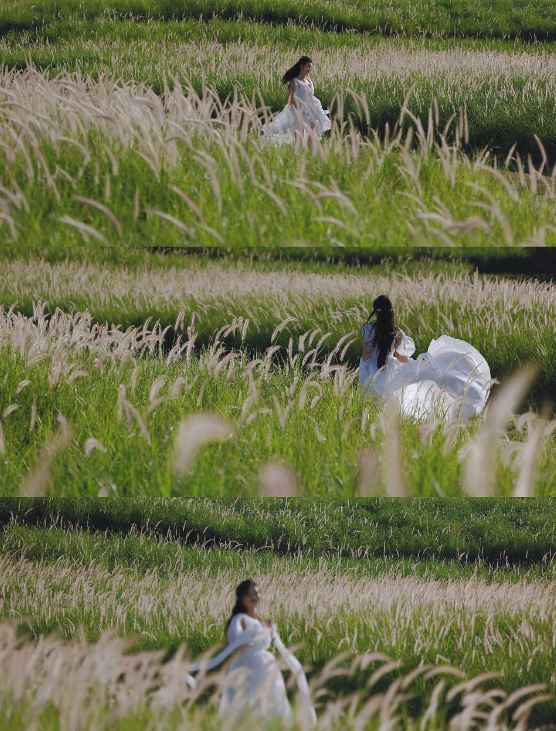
{"x":293,"y":73}
{"x":384,"y":327}
{"x":241,"y":590}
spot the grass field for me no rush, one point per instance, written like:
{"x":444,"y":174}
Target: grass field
{"x":142,"y":129}
{"x":270,"y":352}
{"x":507,"y":87}
{"x":331,"y":576}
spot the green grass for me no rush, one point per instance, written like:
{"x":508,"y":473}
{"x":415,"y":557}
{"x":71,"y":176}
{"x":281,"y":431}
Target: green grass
{"x":458,"y":536}
{"x":381,"y":210}
{"x":320,"y":443}
{"x":136,"y":149}
{"x":391,"y":197}
{"x":462,"y":18}
{"x":132,"y":467}
{"x":503,"y":86}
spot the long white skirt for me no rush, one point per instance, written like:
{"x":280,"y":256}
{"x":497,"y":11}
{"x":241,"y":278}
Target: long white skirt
{"x":293,"y":124}
{"x":255,"y":686}
{"x":452,"y":379}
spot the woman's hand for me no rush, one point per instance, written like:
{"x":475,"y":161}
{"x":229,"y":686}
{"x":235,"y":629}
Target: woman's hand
{"x":367,"y":350}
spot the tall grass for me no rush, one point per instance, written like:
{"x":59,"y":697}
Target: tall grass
{"x":95,"y":166}
{"x":124,"y":398}
{"x":506,"y":88}
{"x":509,"y":320}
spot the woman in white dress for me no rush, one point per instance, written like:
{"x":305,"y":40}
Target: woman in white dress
{"x":303,"y":115}
{"x":253,"y":683}
{"x":452,"y":379}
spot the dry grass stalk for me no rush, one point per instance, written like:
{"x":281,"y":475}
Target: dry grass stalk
{"x":38,"y":480}
{"x":368,"y":474}
{"x":480,"y":453}
{"x":392,"y":464}
{"x":193,"y":434}
{"x":278,"y":480}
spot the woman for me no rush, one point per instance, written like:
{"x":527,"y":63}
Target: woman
{"x":303,"y":113}
{"x":451,"y":379}
{"x":254,"y":682}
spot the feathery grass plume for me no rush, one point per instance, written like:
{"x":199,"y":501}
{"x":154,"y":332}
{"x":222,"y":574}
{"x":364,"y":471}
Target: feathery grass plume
{"x":193,"y":434}
{"x":86,"y":230}
{"x":107,"y":489}
{"x":103,"y":209}
{"x":91,"y":444}
{"x":368,"y":474}
{"x":392,"y":461}
{"x":529,"y":457}
{"x":9,"y":410}
{"x":278,"y":480}
{"x":37,"y":481}
{"x":479,"y":476}
{"x":95,"y":685}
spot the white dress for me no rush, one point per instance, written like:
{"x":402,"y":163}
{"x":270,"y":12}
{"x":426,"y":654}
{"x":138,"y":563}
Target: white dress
{"x":450,"y":380}
{"x":254,"y":682}
{"x":296,"y":123}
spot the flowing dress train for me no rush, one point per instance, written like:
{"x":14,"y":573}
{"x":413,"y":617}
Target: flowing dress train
{"x":452,"y":379}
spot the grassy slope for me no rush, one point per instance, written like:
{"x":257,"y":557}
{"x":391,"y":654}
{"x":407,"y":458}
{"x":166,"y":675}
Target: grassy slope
{"x":490,"y":529}
{"x":461,"y":18}
{"x":90,"y":401}
{"x":134,"y":51}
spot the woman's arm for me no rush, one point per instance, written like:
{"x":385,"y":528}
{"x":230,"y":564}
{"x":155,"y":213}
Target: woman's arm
{"x":291,"y":94}
{"x":367,"y":350}
{"x":238,"y":635}
{"x":236,"y":627}
{"x":401,"y":358}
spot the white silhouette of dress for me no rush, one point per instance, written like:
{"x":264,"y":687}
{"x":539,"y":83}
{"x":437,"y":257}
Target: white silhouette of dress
{"x":297,"y":122}
{"x":452,"y":379}
{"x":254,"y":682}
